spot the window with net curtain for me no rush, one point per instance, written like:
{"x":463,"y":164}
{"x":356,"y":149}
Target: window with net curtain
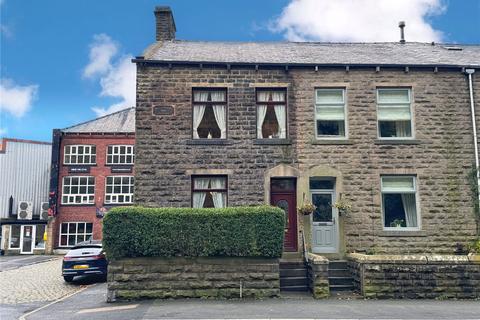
{"x":399,"y":202}
{"x":209,"y":114}
{"x":271,"y":114}
{"x":394,"y":113}
{"x":209,"y":191}
{"x":330,"y":113}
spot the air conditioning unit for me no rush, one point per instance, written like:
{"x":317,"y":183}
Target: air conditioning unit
{"x":44,"y":211}
{"x":25,"y":210}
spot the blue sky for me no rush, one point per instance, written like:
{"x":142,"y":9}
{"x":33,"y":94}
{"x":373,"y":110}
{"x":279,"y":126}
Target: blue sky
{"x":47,"y":45}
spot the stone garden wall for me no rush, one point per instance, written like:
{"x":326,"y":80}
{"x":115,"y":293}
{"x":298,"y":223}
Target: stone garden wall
{"x":416,"y":276}
{"x":136,"y":278}
{"x":318,"y":276}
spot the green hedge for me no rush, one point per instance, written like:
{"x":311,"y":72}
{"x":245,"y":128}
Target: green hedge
{"x":168,"y":232}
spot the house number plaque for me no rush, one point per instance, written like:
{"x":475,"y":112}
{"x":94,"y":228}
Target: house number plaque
{"x":163,"y":110}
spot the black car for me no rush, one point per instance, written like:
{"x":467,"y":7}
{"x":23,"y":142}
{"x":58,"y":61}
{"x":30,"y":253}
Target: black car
{"x":85,"y":258}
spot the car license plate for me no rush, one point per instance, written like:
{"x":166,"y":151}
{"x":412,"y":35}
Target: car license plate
{"x":81,"y":266}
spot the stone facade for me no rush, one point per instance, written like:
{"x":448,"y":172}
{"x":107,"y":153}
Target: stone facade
{"x":416,"y":276}
{"x":440,"y":156}
{"x":135,"y":278}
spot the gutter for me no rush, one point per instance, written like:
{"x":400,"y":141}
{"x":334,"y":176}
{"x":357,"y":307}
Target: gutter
{"x":470,"y":72}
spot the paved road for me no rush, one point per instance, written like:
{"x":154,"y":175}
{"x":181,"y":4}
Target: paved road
{"x":90,"y":304}
{"x":31,"y":284}
{"x":15,"y":262}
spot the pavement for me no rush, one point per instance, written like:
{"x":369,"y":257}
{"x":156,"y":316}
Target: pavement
{"x":34,"y":289}
{"x":90,"y":304}
{"x":14,"y":262}
{"x":29,"y":282}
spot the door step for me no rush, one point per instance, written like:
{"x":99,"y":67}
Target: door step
{"x":339,"y":277}
{"x":293,"y":276}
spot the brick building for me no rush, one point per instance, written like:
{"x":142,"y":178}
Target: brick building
{"x":385,"y":127}
{"x":92,"y":171}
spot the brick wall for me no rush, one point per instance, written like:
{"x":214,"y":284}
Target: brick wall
{"x":87,"y":213}
{"x":440,"y":157}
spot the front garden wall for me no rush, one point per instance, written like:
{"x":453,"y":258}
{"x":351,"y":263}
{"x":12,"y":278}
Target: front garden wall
{"x":416,"y":276}
{"x":215,"y":277}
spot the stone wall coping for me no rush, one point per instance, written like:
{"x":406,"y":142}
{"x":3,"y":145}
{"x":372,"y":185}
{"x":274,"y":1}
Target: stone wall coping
{"x":415,"y":259}
{"x":316,"y":259}
{"x":190,"y":260}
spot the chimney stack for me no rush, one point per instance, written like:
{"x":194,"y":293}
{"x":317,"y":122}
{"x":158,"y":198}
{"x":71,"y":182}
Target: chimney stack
{"x":165,"y":24}
{"x":401,"y":25}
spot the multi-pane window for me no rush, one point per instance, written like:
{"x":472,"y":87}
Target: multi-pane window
{"x":209,"y":191}
{"x":78,"y":190}
{"x":209,"y":114}
{"x":120,"y":154}
{"x":72,"y":233}
{"x":330,"y":113}
{"x":399,"y":202}
{"x":394,"y":113}
{"x":271,"y":114}
{"x":119,"y":189}
{"x":80,"y":154}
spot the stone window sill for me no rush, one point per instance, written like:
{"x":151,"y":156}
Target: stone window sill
{"x":272,"y":141}
{"x":209,"y":142}
{"x":399,"y":233}
{"x":330,"y":142}
{"x":399,"y":141}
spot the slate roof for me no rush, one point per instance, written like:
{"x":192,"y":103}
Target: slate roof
{"x":391,"y":53}
{"x":122,"y":121}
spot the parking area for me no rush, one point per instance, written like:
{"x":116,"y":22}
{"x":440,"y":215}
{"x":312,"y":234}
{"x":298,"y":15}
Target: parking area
{"x":30,"y":282}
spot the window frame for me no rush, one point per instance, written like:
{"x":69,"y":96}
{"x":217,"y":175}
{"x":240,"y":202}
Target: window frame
{"x":19,"y":237}
{"x":119,"y":154}
{"x":132,"y":185}
{"x":272,"y":104}
{"x":76,"y":154}
{"x":78,"y":194}
{"x":410,"y":103}
{"x":345,"y":112}
{"x":76,"y":232}
{"x":210,"y":104}
{"x":192,"y":186}
{"x":417,"y":202}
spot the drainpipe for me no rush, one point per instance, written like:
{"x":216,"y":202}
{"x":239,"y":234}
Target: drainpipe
{"x":470,"y":72}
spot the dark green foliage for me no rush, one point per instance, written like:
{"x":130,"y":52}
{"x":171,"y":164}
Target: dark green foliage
{"x":168,"y":232}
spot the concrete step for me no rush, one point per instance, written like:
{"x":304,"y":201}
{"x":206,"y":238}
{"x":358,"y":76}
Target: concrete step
{"x":292,"y":265}
{"x":341,"y":287}
{"x":293,"y":281}
{"x":285,"y":273}
{"x":294,"y":288}
{"x":338,"y":264}
{"x":340,"y":281}
{"x":339,"y":273}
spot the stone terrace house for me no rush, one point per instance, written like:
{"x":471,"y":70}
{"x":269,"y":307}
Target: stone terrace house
{"x":92,"y":171}
{"x":386,"y":127}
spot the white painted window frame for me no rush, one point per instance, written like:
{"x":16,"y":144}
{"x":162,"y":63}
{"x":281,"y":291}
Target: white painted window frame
{"x":19,"y":240}
{"x":129,"y":151}
{"x":77,"y":155}
{"x":85,"y":234}
{"x":113,"y":195}
{"x":417,"y":203}
{"x":345,"y":112}
{"x":90,"y":197}
{"x":412,"y":125}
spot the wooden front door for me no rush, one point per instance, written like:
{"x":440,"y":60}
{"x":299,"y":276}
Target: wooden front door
{"x":283,"y":195}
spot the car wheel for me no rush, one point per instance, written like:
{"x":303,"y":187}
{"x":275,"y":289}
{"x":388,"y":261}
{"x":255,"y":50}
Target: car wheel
{"x":68,"y":278}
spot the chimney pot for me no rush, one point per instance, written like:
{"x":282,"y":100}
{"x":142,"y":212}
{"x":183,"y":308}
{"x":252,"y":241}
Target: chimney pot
{"x":165,"y":24}
{"x":401,"y":25}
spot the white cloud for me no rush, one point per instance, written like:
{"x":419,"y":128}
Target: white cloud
{"x":358,"y":20}
{"x":117,"y":75}
{"x":3,"y":132}
{"x":16,"y":99}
